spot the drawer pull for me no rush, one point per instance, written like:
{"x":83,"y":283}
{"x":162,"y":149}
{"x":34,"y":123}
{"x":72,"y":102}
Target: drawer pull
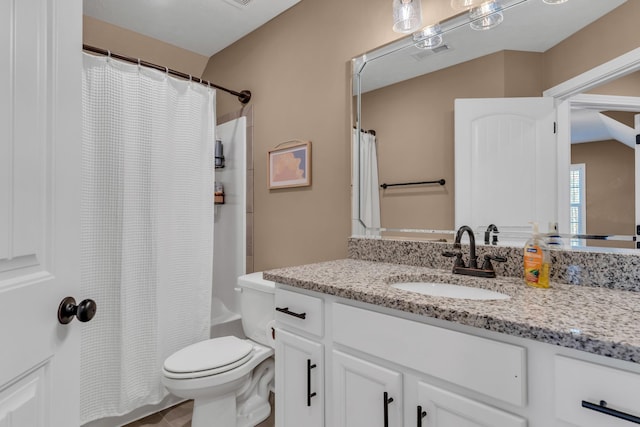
{"x":602,"y":408}
{"x":285,"y":310}
{"x":387,"y":400}
{"x":309,"y":394}
{"x":421,"y":415}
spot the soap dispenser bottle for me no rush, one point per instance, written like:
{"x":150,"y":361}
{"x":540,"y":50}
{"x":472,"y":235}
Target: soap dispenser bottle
{"x":536,"y":260}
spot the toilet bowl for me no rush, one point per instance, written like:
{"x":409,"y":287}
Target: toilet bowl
{"x":229,"y":378}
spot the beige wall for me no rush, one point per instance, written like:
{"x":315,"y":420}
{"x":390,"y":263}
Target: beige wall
{"x":625,"y":86}
{"x":608,"y":37}
{"x":610,"y":186}
{"x":129,"y":43}
{"x":610,"y":181}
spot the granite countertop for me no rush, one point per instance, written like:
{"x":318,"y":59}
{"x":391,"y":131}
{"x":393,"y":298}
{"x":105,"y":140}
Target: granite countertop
{"x":597,"y":320}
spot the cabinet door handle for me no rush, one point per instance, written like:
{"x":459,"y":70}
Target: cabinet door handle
{"x":309,"y":394}
{"x":421,"y":415}
{"x":285,"y":310}
{"x":387,"y":400}
{"x":602,"y":408}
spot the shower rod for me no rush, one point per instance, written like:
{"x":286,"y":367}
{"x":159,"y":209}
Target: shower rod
{"x":244,"y":96}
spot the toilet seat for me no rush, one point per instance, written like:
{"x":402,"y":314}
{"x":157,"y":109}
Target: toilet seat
{"x":206,"y":358}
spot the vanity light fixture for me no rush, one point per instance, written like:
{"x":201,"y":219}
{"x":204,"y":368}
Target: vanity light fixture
{"x":429,"y":37}
{"x":554,"y":1}
{"x":407,"y":15}
{"x":486,"y":16}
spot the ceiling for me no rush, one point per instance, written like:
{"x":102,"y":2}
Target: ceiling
{"x":201,"y":26}
{"x":589,"y":125}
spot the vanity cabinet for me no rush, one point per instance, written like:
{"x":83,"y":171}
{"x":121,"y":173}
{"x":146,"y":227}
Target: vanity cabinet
{"x":371,"y":366}
{"x":439,"y":407}
{"x":299,"y":359}
{"x":365,"y":394}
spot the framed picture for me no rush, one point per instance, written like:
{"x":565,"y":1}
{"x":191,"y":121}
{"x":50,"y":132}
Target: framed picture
{"x":290,"y":166}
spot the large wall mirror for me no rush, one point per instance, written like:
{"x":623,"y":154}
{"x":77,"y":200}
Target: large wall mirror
{"x":406,"y":94}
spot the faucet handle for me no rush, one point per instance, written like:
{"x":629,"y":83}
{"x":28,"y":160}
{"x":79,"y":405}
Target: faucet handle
{"x":486,"y":265}
{"x":458,"y":254}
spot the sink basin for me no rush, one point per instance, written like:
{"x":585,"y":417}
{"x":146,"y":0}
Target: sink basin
{"x":449,"y":291}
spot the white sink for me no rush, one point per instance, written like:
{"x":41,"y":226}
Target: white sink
{"x":449,"y":291}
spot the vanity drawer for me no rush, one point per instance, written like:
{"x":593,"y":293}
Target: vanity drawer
{"x":483,"y":365}
{"x":300,"y":311}
{"x":577,"y":382}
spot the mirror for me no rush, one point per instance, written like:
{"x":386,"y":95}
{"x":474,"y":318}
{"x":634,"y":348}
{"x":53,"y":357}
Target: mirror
{"x":407,"y":94}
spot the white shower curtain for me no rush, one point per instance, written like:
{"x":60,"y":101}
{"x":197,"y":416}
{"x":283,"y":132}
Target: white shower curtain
{"x":365,"y":169}
{"x":147,"y":229}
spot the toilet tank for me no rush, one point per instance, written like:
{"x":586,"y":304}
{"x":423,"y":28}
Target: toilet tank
{"x":257,"y":306}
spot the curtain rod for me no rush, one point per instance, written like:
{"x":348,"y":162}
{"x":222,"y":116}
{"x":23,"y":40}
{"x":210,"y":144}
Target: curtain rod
{"x":244,"y":96}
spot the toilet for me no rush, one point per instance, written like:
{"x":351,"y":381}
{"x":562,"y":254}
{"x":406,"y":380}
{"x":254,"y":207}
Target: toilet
{"x":229,"y":378}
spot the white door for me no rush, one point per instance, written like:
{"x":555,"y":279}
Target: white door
{"x":299,"y":381}
{"x":365,"y":394}
{"x":505,"y":163}
{"x":442,"y":408}
{"x":40,"y":116}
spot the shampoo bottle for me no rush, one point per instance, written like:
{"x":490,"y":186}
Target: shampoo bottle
{"x":536,"y":261}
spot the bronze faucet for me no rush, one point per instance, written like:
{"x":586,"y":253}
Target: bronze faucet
{"x":487,"y":234}
{"x":472,"y":269}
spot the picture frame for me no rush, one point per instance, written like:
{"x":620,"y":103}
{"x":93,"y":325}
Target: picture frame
{"x":290,"y":166}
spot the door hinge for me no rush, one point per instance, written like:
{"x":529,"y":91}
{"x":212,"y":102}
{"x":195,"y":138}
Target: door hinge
{"x":555,"y":127}
{"x":638,"y":139}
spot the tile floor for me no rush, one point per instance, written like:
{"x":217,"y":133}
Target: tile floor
{"x":180,"y":416}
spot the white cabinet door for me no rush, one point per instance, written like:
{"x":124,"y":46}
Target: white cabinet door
{"x":299,"y":381}
{"x":442,"y":408}
{"x":40,"y":115}
{"x":365,"y":394}
{"x":592,"y":395}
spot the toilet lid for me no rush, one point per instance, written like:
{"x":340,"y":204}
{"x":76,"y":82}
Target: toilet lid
{"x":209,"y":355}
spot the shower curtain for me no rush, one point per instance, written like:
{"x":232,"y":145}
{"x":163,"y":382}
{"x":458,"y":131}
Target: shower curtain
{"x":365,"y":169}
{"x":147,"y":229}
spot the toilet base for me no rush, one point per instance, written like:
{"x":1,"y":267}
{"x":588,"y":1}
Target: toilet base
{"x":227,"y":410}
{"x":214,"y":411}
{"x":252,"y":402}
{"x":256,"y":417}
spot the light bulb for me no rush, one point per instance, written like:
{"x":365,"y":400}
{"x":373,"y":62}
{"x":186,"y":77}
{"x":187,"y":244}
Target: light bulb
{"x":465,"y":4}
{"x":486,"y":16}
{"x":407,"y":16}
{"x":429,"y":38}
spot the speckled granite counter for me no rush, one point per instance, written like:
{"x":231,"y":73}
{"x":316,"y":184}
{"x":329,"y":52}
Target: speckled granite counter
{"x":593,"y":319}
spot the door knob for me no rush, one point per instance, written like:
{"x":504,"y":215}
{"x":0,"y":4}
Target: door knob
{"x":83,"y":311}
